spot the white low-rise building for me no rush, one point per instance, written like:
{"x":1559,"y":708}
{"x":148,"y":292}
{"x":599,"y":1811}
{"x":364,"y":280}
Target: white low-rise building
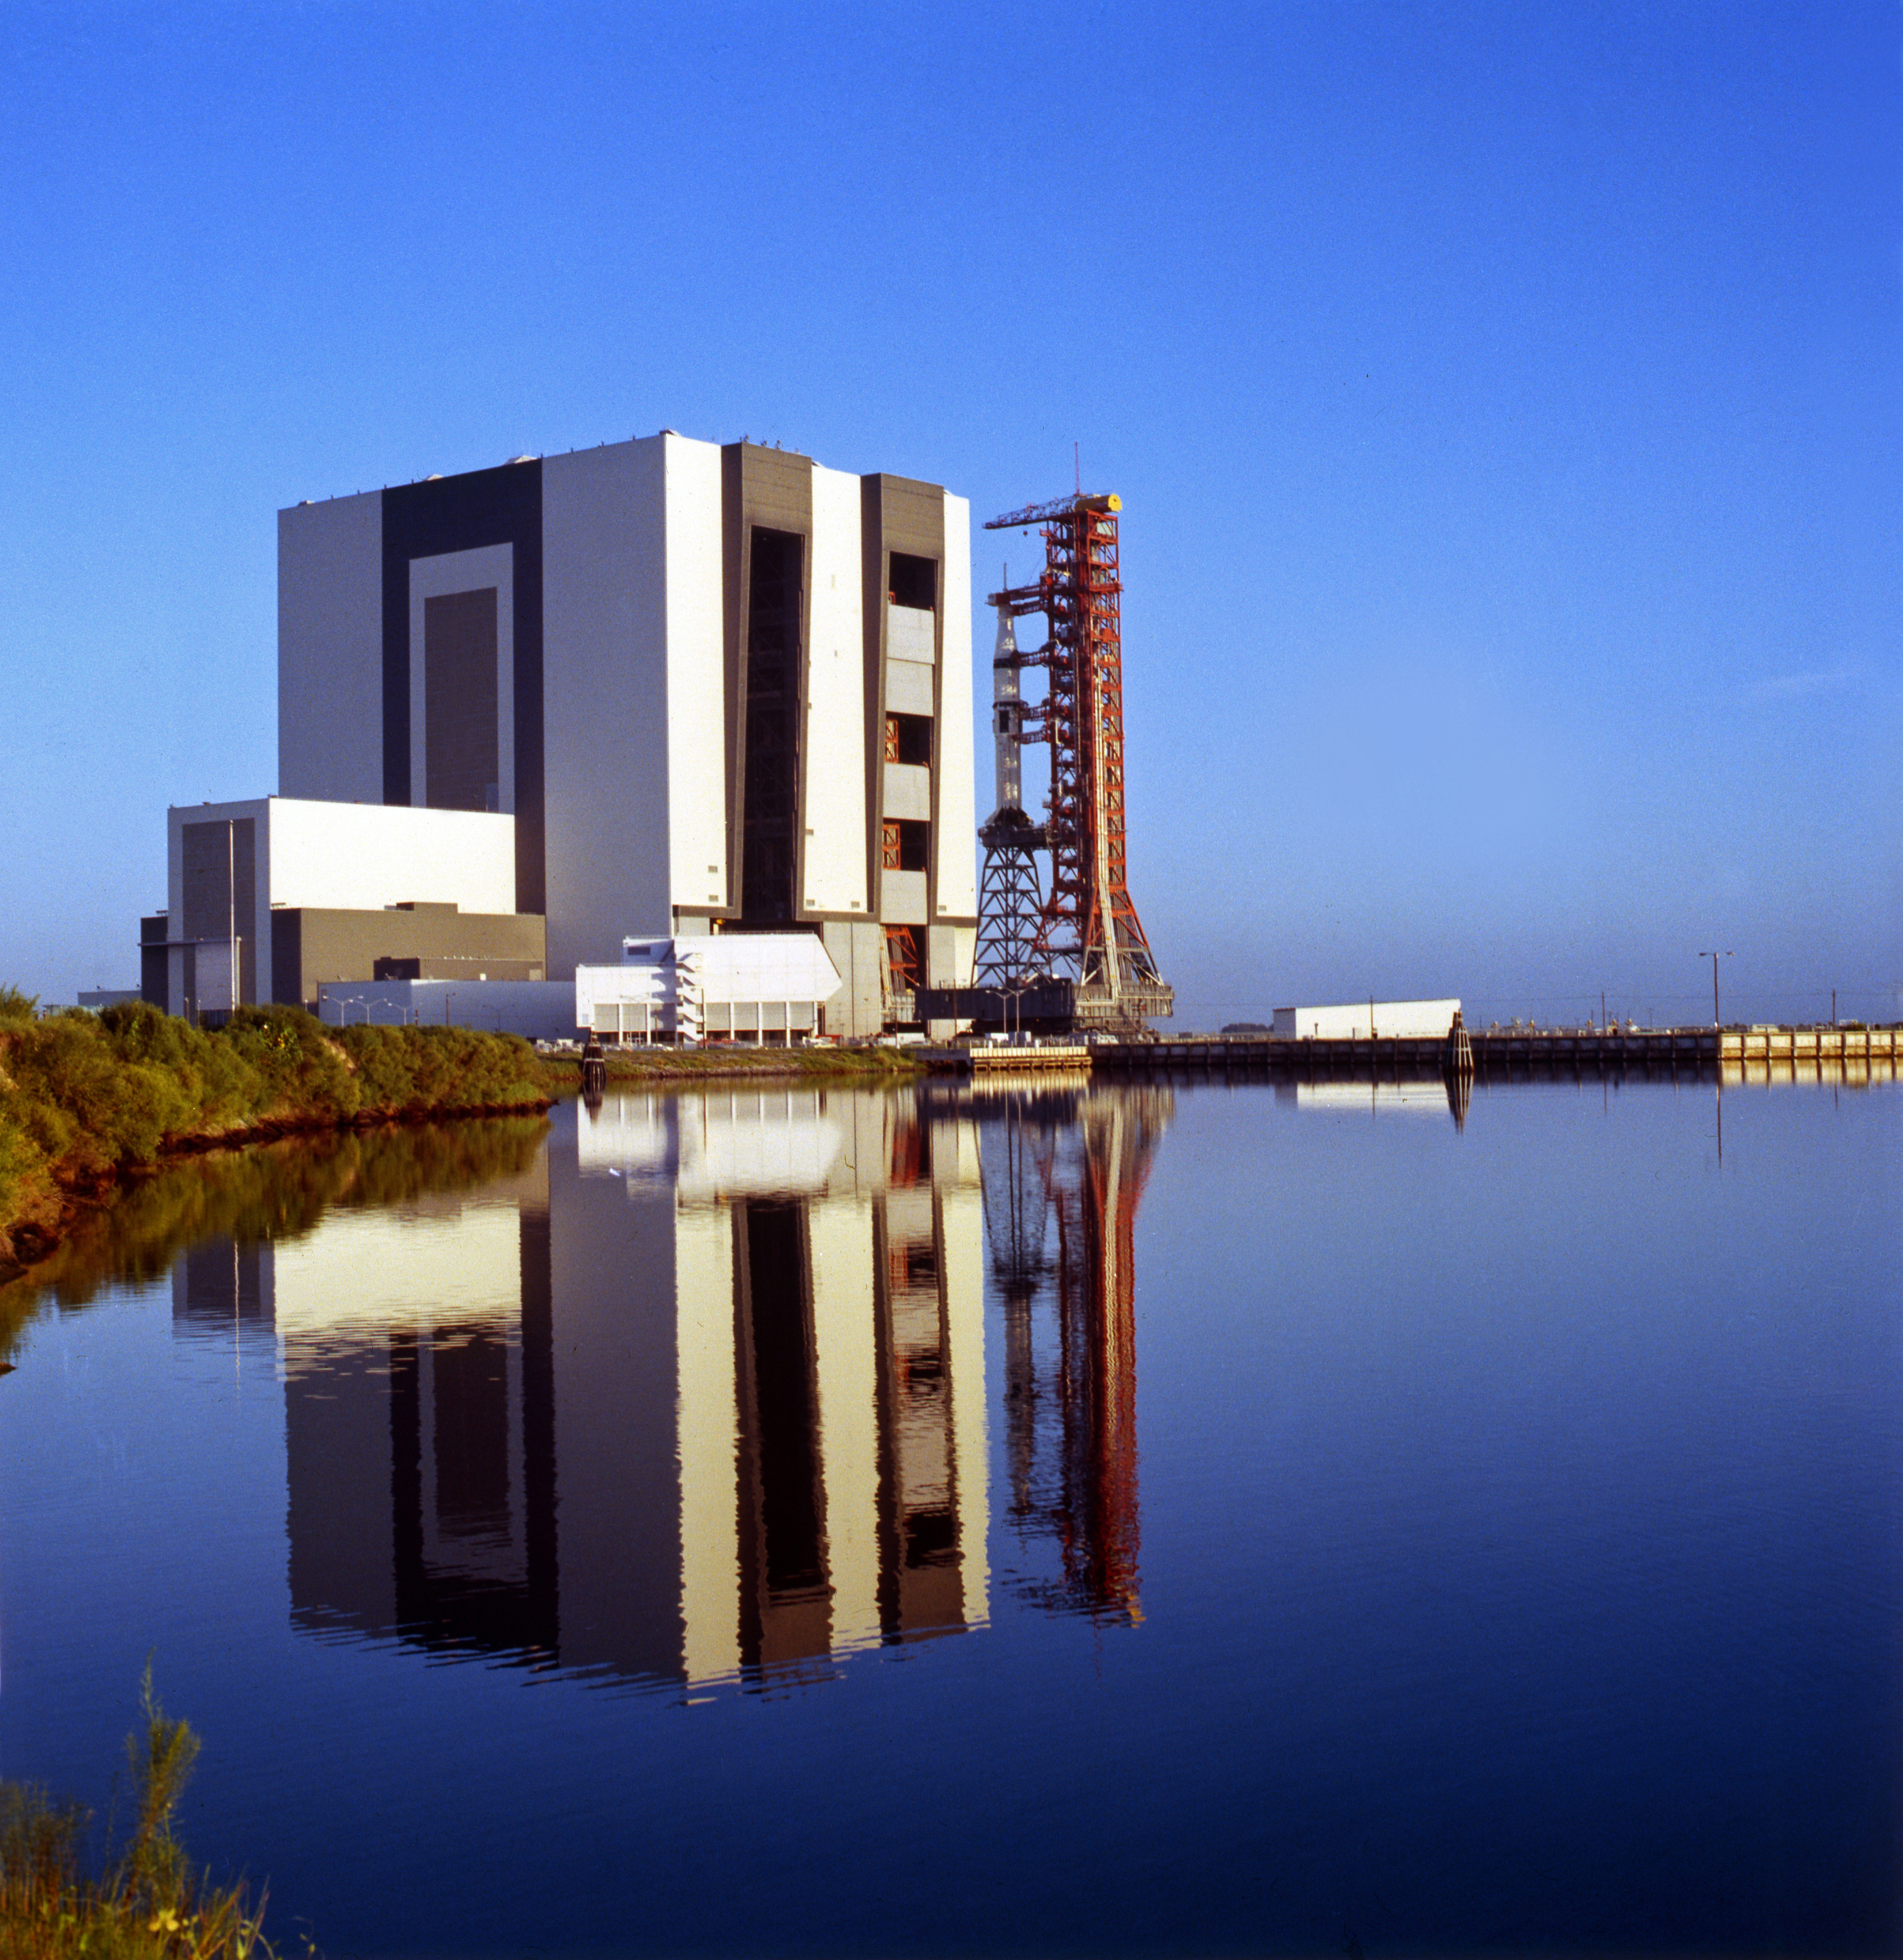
{"x":537,"y":1010}
{"x":764,"y":987}
{"x":1412,"y":1019}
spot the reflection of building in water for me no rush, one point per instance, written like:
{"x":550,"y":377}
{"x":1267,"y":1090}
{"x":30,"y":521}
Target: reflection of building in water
{"x":846,"y":1399}
{"x":1427,"y":1097}
{"x":1064,"y":1172}
{"x":704,"y":1394}
{"x":223,"y":1286}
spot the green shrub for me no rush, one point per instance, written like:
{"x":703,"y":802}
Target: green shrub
{"x":277,"y":1191}
{"x":423,"y":1068}
{"x":85,"y":1097}
{"x":23,"y":1164}
{"x":303,"y":1071}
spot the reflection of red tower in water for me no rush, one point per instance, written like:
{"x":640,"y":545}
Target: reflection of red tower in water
{"x":1061,"y":1214}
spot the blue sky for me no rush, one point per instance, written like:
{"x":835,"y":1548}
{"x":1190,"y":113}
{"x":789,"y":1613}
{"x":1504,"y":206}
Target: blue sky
{"x":1505,"y":400}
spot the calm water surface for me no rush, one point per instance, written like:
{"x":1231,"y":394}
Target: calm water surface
{"x":1119,"y":1519}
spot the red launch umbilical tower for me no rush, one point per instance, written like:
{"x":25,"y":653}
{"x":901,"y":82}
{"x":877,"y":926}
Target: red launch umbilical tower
{"x":1088,"y":931}
{"x":1078,"y":1165}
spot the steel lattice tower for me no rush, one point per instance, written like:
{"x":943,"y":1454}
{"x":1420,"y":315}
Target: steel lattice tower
{"x":1088,"y":930}
{"x":1010,"y":900}
{"x":1071,"y":1170}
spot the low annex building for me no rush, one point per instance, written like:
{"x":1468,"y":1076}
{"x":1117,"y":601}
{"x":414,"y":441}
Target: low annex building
{"x":269,"y":897}
{"x":537,"y":1009}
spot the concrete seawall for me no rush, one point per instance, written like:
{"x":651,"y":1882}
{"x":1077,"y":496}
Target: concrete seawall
{"x":1750,"y":1054}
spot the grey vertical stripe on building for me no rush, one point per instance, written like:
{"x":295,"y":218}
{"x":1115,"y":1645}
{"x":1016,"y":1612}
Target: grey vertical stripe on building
{"x":463,"y":754}
{"x":767,"y":537}
{"x":487,"y":507}
{"x":897,"y":516}
{"x":221,"y":893}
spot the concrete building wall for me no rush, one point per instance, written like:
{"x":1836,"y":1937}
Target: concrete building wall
{"x":908,"y":790}
{"x":833,"y":759}
{"x":537,"y":1010}
{"x":330,"y":651}
{"x":685,"y":986}
{"x":955,"y":841}
{"x":854,"y":947}
{"x":198,"y":961}
{"x":606,"y":657}
{"x":490,"y":568}
{"x":698,"y":871}
{"x":283,"y":854}
{"x":311,"y":947}
{"x":904,"y":899}
{"x":363,"y":856}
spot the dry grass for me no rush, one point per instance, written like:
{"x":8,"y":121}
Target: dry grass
{"x":147,"y":1902}
{"x":876,"y":1064}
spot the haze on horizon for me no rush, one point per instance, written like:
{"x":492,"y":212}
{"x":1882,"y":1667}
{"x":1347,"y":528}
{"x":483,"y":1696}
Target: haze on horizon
{"x":1505,"y":400}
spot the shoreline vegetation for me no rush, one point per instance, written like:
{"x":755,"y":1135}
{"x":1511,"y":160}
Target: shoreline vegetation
{"x":265,"y":1193}
{"x":725,"y":1060}
{"x":92,"y":1104}
{"x":147,"y":1901}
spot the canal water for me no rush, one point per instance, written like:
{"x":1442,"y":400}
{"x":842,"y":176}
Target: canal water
{"x":1055,"y":1519}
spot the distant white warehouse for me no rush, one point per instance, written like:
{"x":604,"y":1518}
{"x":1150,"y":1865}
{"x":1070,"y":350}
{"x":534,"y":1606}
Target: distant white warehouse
{"x":1413,"y":1019}
{"x":765,"y":988}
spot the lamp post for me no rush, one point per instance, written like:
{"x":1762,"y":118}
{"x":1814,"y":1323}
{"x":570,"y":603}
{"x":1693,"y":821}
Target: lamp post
{"x":1714,"y":958}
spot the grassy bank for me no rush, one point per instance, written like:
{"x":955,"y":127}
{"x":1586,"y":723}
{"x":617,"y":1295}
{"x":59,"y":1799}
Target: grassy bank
{"x":144,"y":1901}
{"x":87,"y":1102}
{"x":563,"y":1074}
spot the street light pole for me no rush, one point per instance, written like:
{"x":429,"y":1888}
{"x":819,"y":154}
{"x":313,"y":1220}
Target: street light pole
{"x":1714,"y":958}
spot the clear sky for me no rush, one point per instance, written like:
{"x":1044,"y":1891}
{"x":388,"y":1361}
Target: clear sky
{"x":1505,"y":399}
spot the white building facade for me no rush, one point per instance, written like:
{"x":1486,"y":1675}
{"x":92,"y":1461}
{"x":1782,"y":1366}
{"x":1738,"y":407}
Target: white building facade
{"x":718,"y":688}
{"x":769,"y":988}
{"x":1359,"y":1019}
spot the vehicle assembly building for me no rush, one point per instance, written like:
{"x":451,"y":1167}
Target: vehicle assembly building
{"x":681,"y":687}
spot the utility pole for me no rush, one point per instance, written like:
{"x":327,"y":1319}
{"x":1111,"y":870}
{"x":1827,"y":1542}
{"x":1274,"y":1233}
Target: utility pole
{"x":1833,"y":1006}
{"x":1714,"y":958}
